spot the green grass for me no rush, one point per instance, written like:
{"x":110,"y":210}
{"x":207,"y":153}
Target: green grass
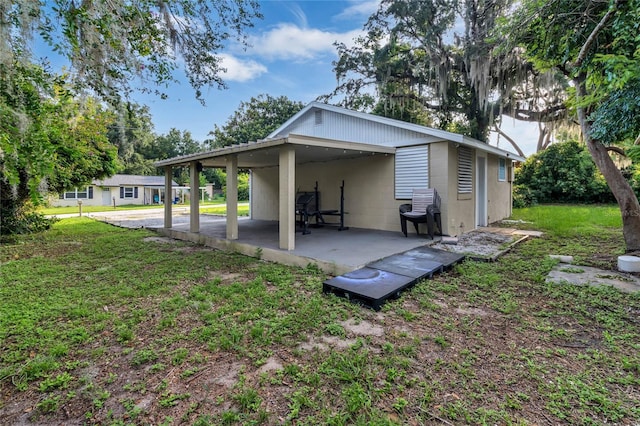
{"x":571,"y":220}
{"x":210,"y":207}
{"x":100,"y":326}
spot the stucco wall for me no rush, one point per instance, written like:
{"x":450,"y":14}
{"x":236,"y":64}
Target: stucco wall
{"x":458,"y":209}
{"x":264,"y":193}
{"x":369,"y":200}
{"x":369,"y":190}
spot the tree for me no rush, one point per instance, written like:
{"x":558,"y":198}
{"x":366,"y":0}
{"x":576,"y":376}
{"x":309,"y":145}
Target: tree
{"x":595,"y":45}
{"x":49,"y":140}
{"x":563,"y":173}
{"x":415,"y":53}
{"x":254,"y":120}
{"x":173,"y":144}
{"x":115,"y":45}
{"x":132,"y":133}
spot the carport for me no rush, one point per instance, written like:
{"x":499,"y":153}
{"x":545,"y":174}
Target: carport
{"x":287,"y":154}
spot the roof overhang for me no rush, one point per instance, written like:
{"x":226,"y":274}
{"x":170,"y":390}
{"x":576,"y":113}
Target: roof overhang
{"x":266,"y":153}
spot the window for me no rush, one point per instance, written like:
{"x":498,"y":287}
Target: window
{"x":128,"y":192}
{"x":318,"y":117}
{"x":412,"y":170}
{"x":465,"y":182}
{"x":502,"y":169}
{"x":78,"y":194}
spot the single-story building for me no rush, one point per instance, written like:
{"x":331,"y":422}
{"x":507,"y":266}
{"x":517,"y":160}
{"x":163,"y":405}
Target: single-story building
{"x":380,"y":161}
{"x":117,"y":190}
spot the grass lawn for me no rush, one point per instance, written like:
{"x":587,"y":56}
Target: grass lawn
{"x":211,"y":207}
{"x":112,"y":326}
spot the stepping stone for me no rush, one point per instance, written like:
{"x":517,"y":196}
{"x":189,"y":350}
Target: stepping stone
{"x":369,"y":286}
{"x":410,"y":266}
{"x":447,"y":258}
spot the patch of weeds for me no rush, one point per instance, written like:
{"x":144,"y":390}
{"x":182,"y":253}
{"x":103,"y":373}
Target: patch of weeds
{"x":335,"y":329}
{"x":248,"y":399}
{"x":143,"y":356}
{"x":356,"y":398}
{"x":60,"y":381}
{"x":100,"y":398}
{"x":179,"y":356}
{"x":572,"y":270}
{"x":506,"y":303}
{"x":299,"y":400}
{"x":441,"y":341}
{"x":158,"y":367}
{"x":132,"y":410}
{"x":49,"y":404}
{"x":399,"y":404}
{"x":189,"y":372}
{"x":169,"y":400}
{"x":406,"y":314}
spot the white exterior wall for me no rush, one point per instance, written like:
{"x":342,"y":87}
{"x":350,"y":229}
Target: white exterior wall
{"x":100,"y":198}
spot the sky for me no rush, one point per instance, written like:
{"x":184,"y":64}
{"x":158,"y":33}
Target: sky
{"x":291,"y":54}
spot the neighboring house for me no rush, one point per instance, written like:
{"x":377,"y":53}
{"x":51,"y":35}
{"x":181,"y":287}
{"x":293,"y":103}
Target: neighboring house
{"x":381,"y":161}
{"x":117,"y":190}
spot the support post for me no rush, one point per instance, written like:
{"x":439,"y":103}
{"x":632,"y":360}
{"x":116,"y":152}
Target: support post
{"x":232,"y":197}
{"x":194,"y":199}
{"x":168,"y":196}
{"x":287,"y":204}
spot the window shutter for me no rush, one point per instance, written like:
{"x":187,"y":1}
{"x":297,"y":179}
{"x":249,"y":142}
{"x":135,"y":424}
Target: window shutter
{"x":135,"y":192}
{"x":412,"y":170}
{"x":465,"y":181}
{"x":91,"y":192}
{"x":122,"y":192}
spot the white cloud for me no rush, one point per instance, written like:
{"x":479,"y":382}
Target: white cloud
{"x":359,"y":9}
{"x":239,"y":69}
{"x":289,"y":41}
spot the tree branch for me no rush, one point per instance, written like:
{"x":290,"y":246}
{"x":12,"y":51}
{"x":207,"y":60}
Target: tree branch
{"x":511,"y":141}
{"x":617,"y":150}
{"x":592,"y":37}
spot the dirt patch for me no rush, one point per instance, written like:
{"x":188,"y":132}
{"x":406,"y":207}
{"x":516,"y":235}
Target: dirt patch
{"x":484,"y":243}
{"x":362,"y":328}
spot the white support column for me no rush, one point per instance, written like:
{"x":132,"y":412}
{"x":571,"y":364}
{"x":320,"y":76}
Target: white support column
{"x":194,"y":197}
{"x":168,"y":197}
{"x":287,"y":202}
{"x":232,"y":197}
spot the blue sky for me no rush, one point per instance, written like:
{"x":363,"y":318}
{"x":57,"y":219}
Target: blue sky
{"x":291,"y":54}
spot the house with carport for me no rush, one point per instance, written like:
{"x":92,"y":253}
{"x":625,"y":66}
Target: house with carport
{"x":370,"y":163}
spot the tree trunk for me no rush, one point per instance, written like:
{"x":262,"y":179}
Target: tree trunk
{"x":622,"y":191}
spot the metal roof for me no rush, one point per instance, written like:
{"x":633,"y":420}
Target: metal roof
{"x":427,"y":131}
{"x":266,"y":153}
{"x":132,"y":180}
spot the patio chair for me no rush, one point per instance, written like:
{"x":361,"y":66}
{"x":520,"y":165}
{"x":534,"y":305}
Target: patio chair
{"x":424,"y":208}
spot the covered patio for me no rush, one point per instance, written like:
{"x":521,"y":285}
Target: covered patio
{"x":333,"y":251}
{"x":289,"y":156}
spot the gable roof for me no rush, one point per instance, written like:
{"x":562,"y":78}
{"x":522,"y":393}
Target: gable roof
{"x":418,"y":134}
{"x":132,"y":180}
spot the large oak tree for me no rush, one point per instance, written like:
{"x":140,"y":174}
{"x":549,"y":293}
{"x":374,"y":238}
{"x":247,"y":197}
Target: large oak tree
{"x":594,"y":43}
{"x":113,"y":47}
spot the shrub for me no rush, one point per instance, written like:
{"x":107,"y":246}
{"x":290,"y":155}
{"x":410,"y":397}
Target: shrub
{"x":563,"y":173}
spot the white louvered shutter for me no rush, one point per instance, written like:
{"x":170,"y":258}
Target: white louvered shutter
{"x":465,"y":181}
{"x":412,"y":170}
